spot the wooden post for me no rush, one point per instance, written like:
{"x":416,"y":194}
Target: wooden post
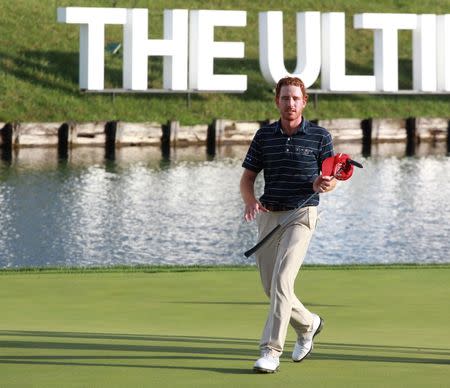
{"x":366,"y":127}
{"x":7,"y":139}
{"x":110,"y":140}
{"x":211,"y":139}
{"x":448,"y":138}
{"x":411,"y":126}
{"x":165,"y":140}
{"x":219,"y":131}
{"x":63,"y":141}
{"x":174,"y":128}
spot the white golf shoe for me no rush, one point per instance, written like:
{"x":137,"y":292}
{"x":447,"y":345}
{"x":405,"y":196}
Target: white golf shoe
{"x":268,"y":363}
{"x":304,"y":344}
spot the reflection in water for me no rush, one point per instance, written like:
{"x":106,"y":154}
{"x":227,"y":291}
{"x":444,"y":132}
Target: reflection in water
{"x":142,"y":208}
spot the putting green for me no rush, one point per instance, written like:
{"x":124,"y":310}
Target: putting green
{"x":383,"y":328}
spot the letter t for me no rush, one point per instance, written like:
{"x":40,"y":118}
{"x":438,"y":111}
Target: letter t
{"x":92,"y":22}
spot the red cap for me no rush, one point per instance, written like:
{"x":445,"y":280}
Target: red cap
{"x":338,"y":166}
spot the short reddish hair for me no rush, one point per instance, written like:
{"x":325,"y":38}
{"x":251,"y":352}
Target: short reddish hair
{"x":287,"y":81}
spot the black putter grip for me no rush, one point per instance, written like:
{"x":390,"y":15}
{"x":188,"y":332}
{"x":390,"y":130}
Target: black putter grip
{"x":355,"y":163}
{"x":251,"y":251}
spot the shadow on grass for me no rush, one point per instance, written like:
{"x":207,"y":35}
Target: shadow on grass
{"x":128,"y":337}
{"x":179,"y":352}
{"x":249,"y":303}
{"x":58,"y":70}
{"x":47,"y":69}
{"x":122,"y":365}
{"x":162,"y":348}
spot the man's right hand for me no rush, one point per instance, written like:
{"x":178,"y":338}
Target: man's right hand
{"x":252,"y":209}
{"x":252,"y":205}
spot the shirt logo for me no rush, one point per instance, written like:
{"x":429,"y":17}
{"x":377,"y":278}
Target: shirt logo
{"x":303,"y":151}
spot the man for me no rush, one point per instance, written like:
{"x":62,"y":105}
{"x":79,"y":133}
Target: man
{"x":290,"y":152}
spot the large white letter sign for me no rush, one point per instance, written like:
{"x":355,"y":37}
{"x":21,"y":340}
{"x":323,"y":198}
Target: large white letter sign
{"x":333,"y":76}
{"x":137,"y":49}
{"x":176,"y":60}
{"x":203,"y":49}
{"x":443,"y":53}
{"x":92,"y":39}
{"x":424,"y":54}
{"x":386,"y":26}
{"x":271,"y":54}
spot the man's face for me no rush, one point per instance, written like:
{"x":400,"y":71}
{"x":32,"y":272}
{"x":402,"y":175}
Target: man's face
{"x":290,"y":102}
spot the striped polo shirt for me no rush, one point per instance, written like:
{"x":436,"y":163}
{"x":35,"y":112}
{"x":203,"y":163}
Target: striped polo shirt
{"x":290,"y":163}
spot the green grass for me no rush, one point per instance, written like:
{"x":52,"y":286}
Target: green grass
{"x":39,"y":66}
{"x":383,"y":328}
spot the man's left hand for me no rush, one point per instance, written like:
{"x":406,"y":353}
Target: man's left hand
{"x":322,"y":184}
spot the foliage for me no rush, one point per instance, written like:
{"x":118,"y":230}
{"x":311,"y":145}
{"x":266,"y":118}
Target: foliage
{"x":39,"y":66}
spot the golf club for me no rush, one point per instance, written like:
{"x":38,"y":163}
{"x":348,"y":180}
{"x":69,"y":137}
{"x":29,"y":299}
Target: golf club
{"x":343,"y":169}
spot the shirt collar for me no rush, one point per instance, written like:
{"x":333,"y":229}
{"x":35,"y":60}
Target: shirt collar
{"x":303,"y":128}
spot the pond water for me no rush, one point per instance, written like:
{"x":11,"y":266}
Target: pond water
{"x":143,"y":208}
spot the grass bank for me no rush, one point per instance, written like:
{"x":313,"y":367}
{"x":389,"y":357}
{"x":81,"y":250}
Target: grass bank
{"x":39,"y":66}
{"x":383,"y":327}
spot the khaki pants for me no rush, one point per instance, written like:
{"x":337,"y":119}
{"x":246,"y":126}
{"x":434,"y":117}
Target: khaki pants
{"x":279,"y":261}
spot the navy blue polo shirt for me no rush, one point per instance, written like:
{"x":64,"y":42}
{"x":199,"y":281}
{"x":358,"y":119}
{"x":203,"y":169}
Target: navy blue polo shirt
{"x":290,"y":163}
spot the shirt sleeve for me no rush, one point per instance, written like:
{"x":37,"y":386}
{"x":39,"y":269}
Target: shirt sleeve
{"x":253,"y":159}
{"x":327,"y":149}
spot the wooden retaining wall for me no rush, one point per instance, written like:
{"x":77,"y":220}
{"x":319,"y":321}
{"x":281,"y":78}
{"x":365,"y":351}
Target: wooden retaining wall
{"x":112,"y":134}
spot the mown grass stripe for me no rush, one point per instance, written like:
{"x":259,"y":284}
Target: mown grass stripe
{"x":201,"y":268}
